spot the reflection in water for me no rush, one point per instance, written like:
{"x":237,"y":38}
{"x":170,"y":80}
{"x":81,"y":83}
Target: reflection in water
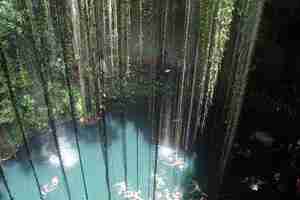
{"x":69,"y":155}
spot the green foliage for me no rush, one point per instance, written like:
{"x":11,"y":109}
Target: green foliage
{"x":15,"y":135}
{"x":79,"y":107}
{"x":6,"y":114}
{"x":59,"y":95}
{"x":8,"y":18}
{"x":136,"y":85}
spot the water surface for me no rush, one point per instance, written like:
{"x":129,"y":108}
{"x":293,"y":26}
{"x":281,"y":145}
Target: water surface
{"x":140,"y":165}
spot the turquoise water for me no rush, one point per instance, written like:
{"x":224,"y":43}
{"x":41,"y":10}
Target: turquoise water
{"x":169,"y":174}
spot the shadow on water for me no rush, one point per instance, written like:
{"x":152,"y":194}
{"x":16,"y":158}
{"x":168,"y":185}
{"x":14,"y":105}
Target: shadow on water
{"x":137,"y":113}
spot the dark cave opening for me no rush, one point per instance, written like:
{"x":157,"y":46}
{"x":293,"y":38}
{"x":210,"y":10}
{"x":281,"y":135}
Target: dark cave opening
{"x":265,"y":156}
{"x":272,"y":95}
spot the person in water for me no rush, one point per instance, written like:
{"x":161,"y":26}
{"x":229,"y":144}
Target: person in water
{"x":50,"y":187}
{"x":196,"y":187}
{"x":177,"y":163}
{"x":55,"y":180}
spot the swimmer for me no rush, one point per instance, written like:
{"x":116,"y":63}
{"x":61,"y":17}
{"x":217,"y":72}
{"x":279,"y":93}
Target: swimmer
{"x":128,"y":194}
{"x":82,"y":120}
{"x":160,"y":181}
{"x":178,"y":163}
{"x":204,"y":194}
{"x":122,"y":190}
{"x":203,"y":198}
{"x":177,"y":195}
{"x":136,"y":195}
{"x":50,"y":187}
{"x":168,"y":195}
{"x":119,"y":184}
{"x":44,"y":190}
{"x":158,"y":195}
{"x":196,"y":187}
{"x":55,"y":181}
{"x":122,"y":187}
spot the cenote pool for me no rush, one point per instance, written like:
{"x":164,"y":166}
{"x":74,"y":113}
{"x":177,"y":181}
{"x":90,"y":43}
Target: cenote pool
{"x":140,"y":165}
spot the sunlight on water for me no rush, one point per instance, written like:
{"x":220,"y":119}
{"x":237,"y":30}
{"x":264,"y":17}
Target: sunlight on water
{"x":165,"y":152}
{"x":69,"y":155}
{"x":172,"y":166}
{"x":171,"y":158}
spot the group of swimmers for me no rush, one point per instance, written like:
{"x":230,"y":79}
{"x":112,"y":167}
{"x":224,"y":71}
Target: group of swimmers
{"x":136,"y":195}
{"x":167,"y":195}
{"x":128,"y":194}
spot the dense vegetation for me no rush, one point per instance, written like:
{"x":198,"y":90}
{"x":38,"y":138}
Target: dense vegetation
{"x":27,"y":35}
{"x":75,"y":60}
{"x":53,"y":63}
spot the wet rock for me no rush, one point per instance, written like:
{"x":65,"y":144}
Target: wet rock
{"x":254,"y":183}
{"x":263,"y":137}
{"x":276,"y":176}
